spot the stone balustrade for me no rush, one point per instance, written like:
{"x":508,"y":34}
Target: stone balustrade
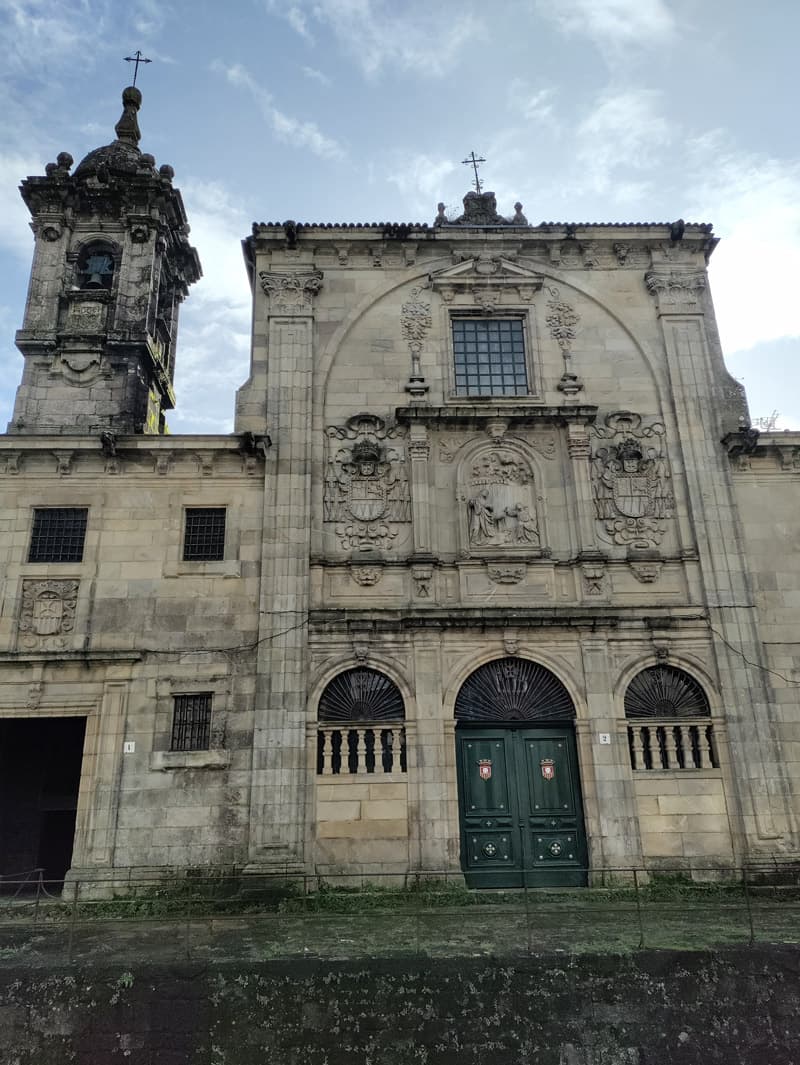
{"x":672,"y":745}
{"x":361,"y":747}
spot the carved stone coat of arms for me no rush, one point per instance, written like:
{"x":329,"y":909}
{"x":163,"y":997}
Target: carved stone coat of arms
{"x":366,"y":484}
{"x":631,"y":480}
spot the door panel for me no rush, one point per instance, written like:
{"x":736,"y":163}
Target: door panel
{"x":487,"y":785}
{"x":521,"y":812}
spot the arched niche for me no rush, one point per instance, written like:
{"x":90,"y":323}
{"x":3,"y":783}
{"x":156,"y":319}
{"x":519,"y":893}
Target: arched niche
{"x":499,"y":500}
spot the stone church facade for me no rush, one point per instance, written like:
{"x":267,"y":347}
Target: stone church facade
{"x":492,"y":577}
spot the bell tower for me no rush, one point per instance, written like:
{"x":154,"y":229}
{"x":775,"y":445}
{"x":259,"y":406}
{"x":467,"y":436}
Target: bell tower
{"x":111,"y":265}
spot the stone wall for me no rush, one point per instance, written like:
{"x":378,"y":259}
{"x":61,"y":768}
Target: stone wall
{"x":652,"y":1008}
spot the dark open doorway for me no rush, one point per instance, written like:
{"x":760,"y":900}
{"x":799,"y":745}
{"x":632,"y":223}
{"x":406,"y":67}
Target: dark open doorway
{"x":40,"y":773}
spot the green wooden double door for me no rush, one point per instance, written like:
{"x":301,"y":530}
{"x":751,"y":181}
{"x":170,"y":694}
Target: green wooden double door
{"x":520,"y":807}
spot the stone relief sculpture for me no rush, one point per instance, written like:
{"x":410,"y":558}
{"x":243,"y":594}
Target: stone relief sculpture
{"x":631,"y":480}
{"x":48,"y":613}
{"x":366,"y":485}
{"x":500,"y":502}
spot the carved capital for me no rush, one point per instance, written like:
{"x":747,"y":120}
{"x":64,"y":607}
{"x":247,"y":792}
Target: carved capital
{"x":291,"y":292}
{"x":676,"y":292}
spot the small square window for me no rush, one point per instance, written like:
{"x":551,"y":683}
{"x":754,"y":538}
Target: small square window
{"x":191,"y":722}
{"x":499,"y":369}
{"x":204,"y":536}
{"x":58,"y":534}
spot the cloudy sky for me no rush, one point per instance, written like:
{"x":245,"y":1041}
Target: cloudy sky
{"x":361,"y":110}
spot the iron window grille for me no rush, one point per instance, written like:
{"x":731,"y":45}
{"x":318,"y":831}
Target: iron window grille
{"x":191,"y":722}
{"x":489,"y":357}
{"x":513,"y":689}
{"x":58,"y":534}
{"x":204,"y":534}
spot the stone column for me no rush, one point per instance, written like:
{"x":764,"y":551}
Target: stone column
{"x":419,"y":449}
{"x":429,"y":810}
{"x":612,"y":822}
{"x":747,"y":704}
{"x":102,"y":768}
{"x":579,"y":450}
{"x":280,"y":773}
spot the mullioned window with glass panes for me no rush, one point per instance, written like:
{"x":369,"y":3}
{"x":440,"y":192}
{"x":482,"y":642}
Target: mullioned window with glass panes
{"x":489,"y":357}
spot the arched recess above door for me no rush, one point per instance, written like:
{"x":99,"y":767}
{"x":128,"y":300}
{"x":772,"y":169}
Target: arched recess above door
{"x":513,"y":689}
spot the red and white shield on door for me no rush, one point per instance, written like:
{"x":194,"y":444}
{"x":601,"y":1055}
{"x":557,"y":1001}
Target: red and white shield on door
{"x":548,"y":768}
{"x":485,"y":768}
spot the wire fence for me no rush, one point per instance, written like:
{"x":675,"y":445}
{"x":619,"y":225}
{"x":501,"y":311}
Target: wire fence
{"x":417,"y":914}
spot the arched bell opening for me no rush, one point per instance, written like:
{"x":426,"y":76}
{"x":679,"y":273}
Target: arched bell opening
{"x":520,"y":806}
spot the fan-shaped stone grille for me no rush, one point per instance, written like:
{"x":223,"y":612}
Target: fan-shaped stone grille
{"x":665,"y":692}
{"x":361,"y":695}
{"x":513,"y":689}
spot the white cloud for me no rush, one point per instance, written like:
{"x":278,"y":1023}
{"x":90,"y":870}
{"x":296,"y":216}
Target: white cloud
{"x":316,"y":75}
{"x":534,"y":105}
{"x":292,"y":130}
{"x":613,"y":24}
{"x":299,"y":23}
{"x":754,"y":203}
{"x":215,"y":321}
{"x":623,"y":132}
{"x":413,"y":35}
{"x":15,"y":234}
{"x":421,"y":180}
{"x":53,"y":33}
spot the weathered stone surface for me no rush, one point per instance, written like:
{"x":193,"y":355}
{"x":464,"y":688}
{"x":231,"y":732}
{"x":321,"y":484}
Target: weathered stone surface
{"x":653,"y":1008}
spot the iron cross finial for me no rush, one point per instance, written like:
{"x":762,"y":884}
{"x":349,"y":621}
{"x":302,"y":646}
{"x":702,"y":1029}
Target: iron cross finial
{"x":136,"y":59}
{"x":473,"y":161}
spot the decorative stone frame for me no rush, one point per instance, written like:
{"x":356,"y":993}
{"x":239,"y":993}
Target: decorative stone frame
{"x":217,"y":756}
{"x":490,"y":552}
{"x":503,"y":313}
{"x":489,"y":288}
{"x":230,"y":565}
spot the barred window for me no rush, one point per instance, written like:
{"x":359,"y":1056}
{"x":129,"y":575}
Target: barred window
{"x":204,"y":536}
{"x":489,"y":356}
{"x":58,"y":534}
{"x":191,"y":722}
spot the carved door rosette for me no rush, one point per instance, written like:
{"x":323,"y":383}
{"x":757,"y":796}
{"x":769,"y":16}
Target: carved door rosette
{"x":366,"y":494}
{"x":499,"y":504}
{"x":631,"y":481}
{"x":47,"y":616}
{"x":291,"y":291}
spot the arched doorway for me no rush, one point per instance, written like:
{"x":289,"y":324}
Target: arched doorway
{"x":520,"y":805}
